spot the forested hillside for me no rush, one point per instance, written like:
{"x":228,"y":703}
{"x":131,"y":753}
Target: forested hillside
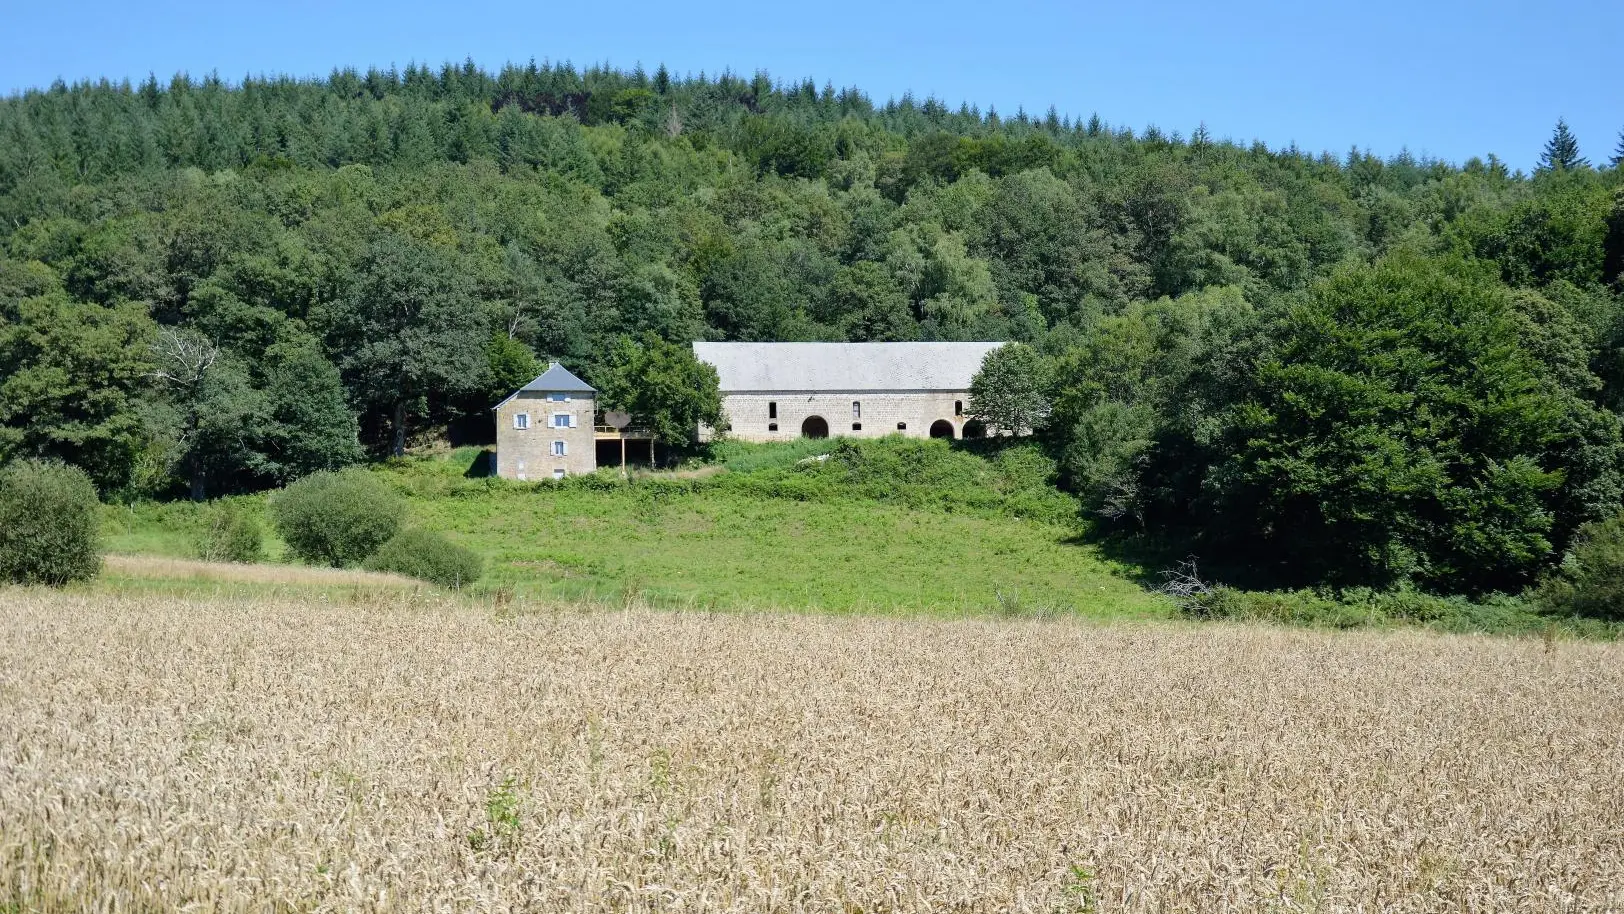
{"x":1339,"y":369}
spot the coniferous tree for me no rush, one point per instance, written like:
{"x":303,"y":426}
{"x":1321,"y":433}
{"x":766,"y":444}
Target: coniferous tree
{"x":1618,"y":151}
{"x":1562,"y":150}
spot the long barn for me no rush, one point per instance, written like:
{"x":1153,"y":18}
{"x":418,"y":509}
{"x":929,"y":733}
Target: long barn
{"x":783,"y":391}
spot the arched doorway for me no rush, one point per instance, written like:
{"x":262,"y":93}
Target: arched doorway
{"x":941,"y":428}
{"x":975,"y":429}
{"x":814,"y":427}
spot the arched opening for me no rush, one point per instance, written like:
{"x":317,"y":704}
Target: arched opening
{"x":941,"y":428}
{"x":814,"y":427}
{"x":975,"y":429}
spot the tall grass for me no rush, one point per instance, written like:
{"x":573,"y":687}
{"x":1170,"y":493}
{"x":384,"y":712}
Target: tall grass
{"x":232,"y":756}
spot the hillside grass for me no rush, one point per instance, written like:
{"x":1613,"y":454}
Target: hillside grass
{"x":893,"y":526}
{"x":889,"y":526}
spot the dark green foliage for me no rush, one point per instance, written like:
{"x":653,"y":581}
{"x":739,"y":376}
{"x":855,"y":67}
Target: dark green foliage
{"x":381,"y":255}
{"x":512,"y":365}
{"x":337,"y":518}
{"x":71,"y":376}
{"x":307,"y":425}
{"x":408,"y":331}
{"x":430,"y":556}
{"x":1365,"y":608}
{"x":663,"y":386}
{"x":1612,"y":268}
{"x":1590,"y":581}
{"x":1400,"y":430}
{"x":49,"y":524}
{"x":1561,"y":150}
{"x":231,"y":533}
{"x":1011,"y":391}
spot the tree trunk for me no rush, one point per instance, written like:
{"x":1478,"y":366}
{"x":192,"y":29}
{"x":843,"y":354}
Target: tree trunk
{"x":398,"y":449}
{"x":198,"y":488}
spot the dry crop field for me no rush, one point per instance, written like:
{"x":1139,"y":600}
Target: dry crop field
{"x":398,"y":754}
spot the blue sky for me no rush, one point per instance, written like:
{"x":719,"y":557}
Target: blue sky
{"x":1446,"y":78}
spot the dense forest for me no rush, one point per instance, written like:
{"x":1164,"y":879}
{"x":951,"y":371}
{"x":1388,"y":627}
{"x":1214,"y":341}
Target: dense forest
{"x":1335,"y":369}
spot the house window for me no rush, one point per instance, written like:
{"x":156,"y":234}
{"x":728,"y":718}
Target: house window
{"x":856,"y":410}
{"x":562,"y":420}
{"x":559,"y":449}
{"x":559,"y":398}
{"x":902,"y":426}
{"x":772,"y":426}
{"x":558,"y":473}
{"x":857,"y":426}
{"x":958,"y":407}
{"x":521,"y":421}
{"x":772,"y":410}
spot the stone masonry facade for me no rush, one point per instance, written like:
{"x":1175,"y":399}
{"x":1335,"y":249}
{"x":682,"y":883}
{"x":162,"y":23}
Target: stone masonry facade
{"x":529,"y":433}
{"x":877,"y":413}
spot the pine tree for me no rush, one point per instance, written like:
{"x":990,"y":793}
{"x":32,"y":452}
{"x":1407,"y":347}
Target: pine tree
{"x":1562,"y":151}
{"x":1618,"y":151}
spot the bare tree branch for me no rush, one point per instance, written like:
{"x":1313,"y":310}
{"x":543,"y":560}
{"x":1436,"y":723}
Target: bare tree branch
{"x":184,"y":358}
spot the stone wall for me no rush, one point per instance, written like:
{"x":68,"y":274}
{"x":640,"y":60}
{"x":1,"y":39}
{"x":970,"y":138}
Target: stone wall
{"x":882,"y":413}
{"x":528,"y":453}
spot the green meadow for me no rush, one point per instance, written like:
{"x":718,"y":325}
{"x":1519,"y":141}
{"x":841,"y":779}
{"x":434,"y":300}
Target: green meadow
{"x":898,"y":527}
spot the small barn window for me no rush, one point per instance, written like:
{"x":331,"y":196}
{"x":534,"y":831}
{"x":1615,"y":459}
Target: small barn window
{"x":772,"y":426}
{"x":856,"y":410}
{"x":857,"y":426}
{"x":521,"y":421}
{"x":958,"y":407}
{"x":902,"y":426}
{"x":559,"y":449}
{"x":772,"y":410}
{"x":558,"y":473}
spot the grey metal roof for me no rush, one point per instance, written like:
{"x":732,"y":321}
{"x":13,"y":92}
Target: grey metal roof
{"x":558,"y":379}
{"x":843,"y":366}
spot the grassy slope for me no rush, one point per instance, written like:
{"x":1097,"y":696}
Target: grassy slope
{"x":966,"y":535}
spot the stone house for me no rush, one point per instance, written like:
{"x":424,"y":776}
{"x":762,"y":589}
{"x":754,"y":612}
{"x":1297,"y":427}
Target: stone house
{"x":770,"y":392}
{"x":544,"y":431}
{"x":783,"y":391}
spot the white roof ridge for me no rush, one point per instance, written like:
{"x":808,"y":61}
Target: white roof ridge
{"x":833,"y":366}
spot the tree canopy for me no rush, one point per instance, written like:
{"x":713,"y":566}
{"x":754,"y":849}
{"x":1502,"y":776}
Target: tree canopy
{"x":1349,"y":368}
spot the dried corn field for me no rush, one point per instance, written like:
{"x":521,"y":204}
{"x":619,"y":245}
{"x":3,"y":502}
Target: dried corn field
{"x":161,"y":754}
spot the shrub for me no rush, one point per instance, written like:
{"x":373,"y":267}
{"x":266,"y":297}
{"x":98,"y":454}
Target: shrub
{"x":49,"y":524}
{"x":429,"y":556}
{"x":231,"y":533}
{"x":337,"y":518}
{"x":1591,"y":581}
{"x":1358,"y":607}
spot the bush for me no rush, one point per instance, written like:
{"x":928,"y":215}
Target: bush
{"x":1360,"y":607}
{"x":49,"y":524}
{"x":1591,"y":580}
{"x":231,"y":533}
{"x":428,"y":555}
{"x":337,"y":518}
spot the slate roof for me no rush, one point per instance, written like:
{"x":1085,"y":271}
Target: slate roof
{"x":558,"y":379}
{"x":844,"y":366}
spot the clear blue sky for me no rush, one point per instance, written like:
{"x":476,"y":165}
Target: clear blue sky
{"x":1447,"y":78}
